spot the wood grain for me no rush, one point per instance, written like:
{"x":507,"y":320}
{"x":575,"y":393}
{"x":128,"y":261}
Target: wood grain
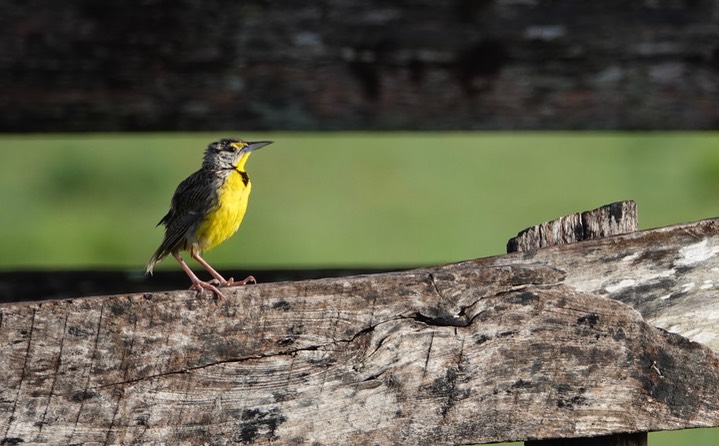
{"x":670,"y":275}
{"x":612,"y":219}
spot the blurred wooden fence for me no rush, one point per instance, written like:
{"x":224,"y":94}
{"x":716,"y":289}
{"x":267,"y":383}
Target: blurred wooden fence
{"x":358,"y":65}
{"x":548,"y":344}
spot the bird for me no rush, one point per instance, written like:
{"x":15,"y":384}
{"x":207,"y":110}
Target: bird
{"x":207,"y":208}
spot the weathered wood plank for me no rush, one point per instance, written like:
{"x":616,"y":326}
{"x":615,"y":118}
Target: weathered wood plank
{"x":462,"y":353}
{"x":443,"y":356}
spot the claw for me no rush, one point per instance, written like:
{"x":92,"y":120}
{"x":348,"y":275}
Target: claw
{"x":213,"y":285}
{"x":218,"y":279}
{"x":231,"y":282}
{"x":200,"y":286}
{"x":245,"y":281}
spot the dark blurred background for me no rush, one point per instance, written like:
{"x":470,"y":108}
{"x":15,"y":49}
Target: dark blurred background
{"x":87,"y":65}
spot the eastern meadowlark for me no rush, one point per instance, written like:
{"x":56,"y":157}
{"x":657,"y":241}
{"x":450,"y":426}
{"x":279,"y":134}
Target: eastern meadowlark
{"x":207,"y":208}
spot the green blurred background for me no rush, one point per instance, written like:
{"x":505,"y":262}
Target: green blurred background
{"x":337,"y":199}
{"x":344,"y":199}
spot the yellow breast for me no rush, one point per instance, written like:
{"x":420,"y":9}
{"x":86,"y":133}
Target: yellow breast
{"x":224,"y":221}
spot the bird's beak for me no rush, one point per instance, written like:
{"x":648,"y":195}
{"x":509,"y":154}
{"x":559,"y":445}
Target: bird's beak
{"x":251,"y":146}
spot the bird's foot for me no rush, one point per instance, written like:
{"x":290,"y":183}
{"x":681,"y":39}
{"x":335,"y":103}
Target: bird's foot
{"x":200,"y":286}
{"x":232,"y":282}
{"x":245,"y":281}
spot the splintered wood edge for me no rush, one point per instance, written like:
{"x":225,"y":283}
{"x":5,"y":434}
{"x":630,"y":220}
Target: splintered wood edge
{"x":612,"y":219}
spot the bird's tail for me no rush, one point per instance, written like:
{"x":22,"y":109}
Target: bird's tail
{"x":166,"y":247}
{"x":156,"y":257}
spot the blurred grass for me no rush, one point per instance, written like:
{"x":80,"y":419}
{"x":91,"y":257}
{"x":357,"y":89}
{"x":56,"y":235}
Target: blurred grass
{"x":687,"y":437}
{"x":341,"y":198}
{"x":345,"y":199}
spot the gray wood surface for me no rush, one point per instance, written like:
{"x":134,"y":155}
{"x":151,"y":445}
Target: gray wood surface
{"x":612,"y":219}
{"x":670,"y":275}
{"x":530,"y":345}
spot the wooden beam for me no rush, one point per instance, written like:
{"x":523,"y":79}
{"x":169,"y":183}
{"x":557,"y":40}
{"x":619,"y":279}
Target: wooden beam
{"x":470,"y":352}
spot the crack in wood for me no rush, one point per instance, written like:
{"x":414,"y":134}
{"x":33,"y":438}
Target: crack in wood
{"x":375,"y":376}
{"x":120,"y":398}
{"x":55,"y":372}
{"x":429,"y":351}
{"x":291,"y":352}
{"x":86,"y":394}
{"x":439,"y":321}
{"x":376,"y":349}
{"x":451,"y":377}
{"x":444,"y":320}
{"x":22,"y":374}
{"x":214,"y":364}
{"x":434,"y":286}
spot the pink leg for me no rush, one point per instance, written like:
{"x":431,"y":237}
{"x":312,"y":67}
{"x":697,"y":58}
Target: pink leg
{"x":221,"y":280}
{"x":207,"y":266}
{"x":197,"y":284}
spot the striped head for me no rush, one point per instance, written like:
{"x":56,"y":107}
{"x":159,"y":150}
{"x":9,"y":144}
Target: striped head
{"x":230,"y":153}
